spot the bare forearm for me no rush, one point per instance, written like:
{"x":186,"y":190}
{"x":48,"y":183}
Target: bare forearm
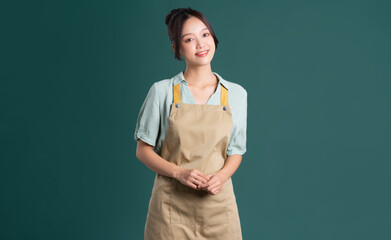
{"x":231,"y":165}
{"x":154,"y":162}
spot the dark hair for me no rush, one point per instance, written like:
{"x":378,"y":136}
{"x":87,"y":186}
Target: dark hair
{"x":175,"y":20}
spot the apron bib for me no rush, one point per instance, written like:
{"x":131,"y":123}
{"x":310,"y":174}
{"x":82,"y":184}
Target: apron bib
{"x":197,"y":138}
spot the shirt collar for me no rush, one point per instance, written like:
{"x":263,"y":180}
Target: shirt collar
{"x":180,"y":78}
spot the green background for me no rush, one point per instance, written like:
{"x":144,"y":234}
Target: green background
{"x":75,"y":73}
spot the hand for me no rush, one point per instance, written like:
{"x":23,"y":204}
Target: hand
{"x":215,"y":183}
{"x":192,"y":177}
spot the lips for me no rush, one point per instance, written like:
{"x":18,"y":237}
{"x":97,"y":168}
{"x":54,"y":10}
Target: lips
{"x":202,"y":54}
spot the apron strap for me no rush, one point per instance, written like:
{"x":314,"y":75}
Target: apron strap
{"x":177,"y":93}
{"x":223,"y":97}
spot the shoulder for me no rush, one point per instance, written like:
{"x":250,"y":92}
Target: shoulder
{"x":236,"y":88}
{"x":160,"y":92}
{"x":161,"y":88}
{"x":163,"y":84}
{"x":237,"y":93}
{"x":233,"y":87}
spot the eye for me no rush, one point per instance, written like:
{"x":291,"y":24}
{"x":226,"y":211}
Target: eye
{"x":188,"y":40}
{"x":207,"y":34}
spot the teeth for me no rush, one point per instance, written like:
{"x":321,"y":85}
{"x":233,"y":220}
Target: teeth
{"x":201,"y":53}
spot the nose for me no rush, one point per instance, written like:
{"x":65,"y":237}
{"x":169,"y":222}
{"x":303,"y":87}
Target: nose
{"x":200,"y":43}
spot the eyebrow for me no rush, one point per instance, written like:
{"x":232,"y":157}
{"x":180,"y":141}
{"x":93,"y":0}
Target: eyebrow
{"x":190,"y":33}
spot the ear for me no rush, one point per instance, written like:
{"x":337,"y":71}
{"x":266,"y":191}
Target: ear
{"x":173,"y":49}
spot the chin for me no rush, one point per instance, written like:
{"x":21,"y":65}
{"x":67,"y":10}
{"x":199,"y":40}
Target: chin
{"x":205,"y":60}
{"x":202,"y":63}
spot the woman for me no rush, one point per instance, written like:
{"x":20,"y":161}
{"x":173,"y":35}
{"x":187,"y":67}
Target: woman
{"x":191,"y":131}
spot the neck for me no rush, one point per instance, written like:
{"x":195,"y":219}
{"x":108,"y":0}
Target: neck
{"x":199,"y":75}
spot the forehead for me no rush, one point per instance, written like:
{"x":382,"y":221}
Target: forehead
{"x":193,"y":25}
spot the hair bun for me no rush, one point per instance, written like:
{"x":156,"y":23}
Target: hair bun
{"x":179,"y":10}
{"x":173,"y":13}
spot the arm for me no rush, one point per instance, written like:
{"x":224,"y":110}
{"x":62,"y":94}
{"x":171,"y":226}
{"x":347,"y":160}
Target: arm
{"x":236,"y":147}
{"x":231,"y":165}
{"x":189,"y":177}
{"x":153,"y":161}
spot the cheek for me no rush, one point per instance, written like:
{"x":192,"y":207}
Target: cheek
{"x":211,"y":43}
{"x":184,"y":47}
{"x":188,"y":49}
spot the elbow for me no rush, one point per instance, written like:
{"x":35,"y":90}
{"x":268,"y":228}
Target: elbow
{"x":143,"y":150}
{"x":139,"y":154}
{"x":138,"y":151}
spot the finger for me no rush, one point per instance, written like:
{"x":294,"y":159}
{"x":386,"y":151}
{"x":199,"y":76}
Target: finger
{"x":200,"y":178}
{"x":208,"y":176}
{"x":196,"y":182}
{"x":215,"y":191}
{"x":204,"y":177}
{"x":208,"y":184}
{"x":192,"y":185}
{"x":199,"y":175}
{"x":203,"y":185}
{"x":213,"y":186}
{"x":192,"y":179}
{"x":204,"y":188}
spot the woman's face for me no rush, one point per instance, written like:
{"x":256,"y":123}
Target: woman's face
{"x":197,"y":44}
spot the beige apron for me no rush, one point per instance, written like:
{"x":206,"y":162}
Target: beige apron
{"x":197,"y":138}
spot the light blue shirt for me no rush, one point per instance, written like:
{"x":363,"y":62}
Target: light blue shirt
{"x":153,"y":117}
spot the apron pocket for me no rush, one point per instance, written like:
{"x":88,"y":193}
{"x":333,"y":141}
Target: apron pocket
{"x":190,"y":206}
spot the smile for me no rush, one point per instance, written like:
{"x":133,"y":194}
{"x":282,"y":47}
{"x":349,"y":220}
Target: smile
{"x":202,"y":54}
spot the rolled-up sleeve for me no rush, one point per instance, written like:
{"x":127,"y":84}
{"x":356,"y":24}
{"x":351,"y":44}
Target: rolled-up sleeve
{"x":147,"y":126}
{"x":237,"y":143}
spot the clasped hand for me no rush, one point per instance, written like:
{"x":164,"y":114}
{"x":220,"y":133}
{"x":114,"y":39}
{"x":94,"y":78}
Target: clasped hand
{"x":195,"y":179}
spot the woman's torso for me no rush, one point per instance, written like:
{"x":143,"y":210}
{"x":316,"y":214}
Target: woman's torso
{"x":163,"y":90}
